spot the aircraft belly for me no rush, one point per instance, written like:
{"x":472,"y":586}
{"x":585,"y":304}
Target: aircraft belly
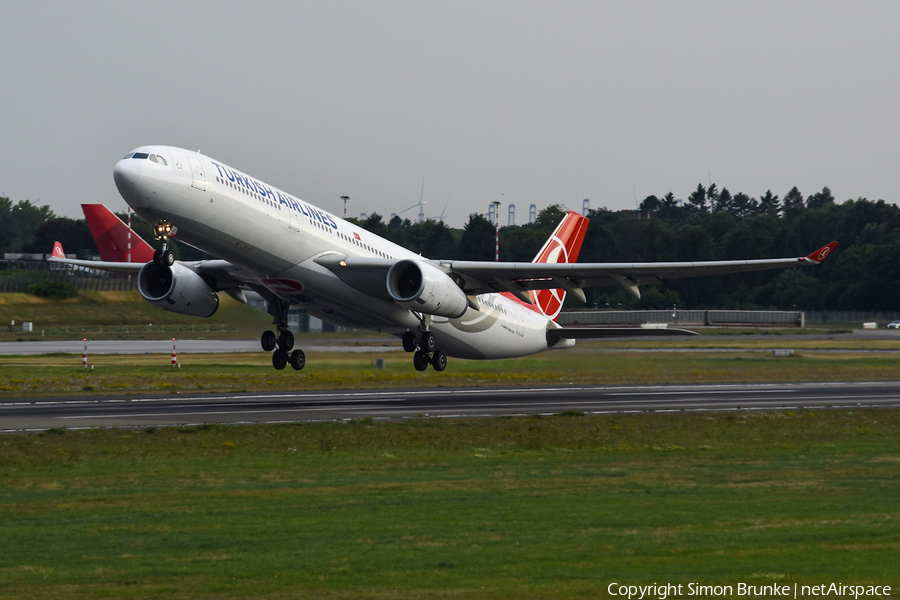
{"x":332,"y":300}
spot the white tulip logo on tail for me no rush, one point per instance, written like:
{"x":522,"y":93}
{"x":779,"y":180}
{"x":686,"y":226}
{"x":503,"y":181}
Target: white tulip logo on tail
{"x":551,"y":301}
{"x":562,"y":247}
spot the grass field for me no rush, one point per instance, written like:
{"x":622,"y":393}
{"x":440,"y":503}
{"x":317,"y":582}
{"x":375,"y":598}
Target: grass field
{"x":122,"y":315}
{"x":34,"y":376}
{"x":553,"y":507}
{"x":125,"y":315}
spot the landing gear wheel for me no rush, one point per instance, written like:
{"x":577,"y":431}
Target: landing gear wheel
{"x":428,"y":341}
{"x":286,"y":340}
{"x":279,"y":359}
{"x":420,"y":361}
{"x":298,"y":360}
{"x":164,"y":258}
{"x":268,"y":341}
{"x":439,"y":360}
{"x":409,"y":341}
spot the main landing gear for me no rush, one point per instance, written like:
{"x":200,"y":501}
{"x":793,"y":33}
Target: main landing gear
{"x":424,"y":348}
{"x":282,"y":344}
{"x":163,"y":231}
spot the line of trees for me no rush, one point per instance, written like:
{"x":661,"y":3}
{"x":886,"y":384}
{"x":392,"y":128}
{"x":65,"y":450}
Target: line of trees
{"x":712,"y":224}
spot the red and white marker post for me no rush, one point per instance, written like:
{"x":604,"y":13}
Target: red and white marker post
{"x":84,"y":356}
{"x":174,"y":355}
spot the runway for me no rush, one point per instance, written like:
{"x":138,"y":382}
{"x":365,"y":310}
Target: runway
{"x":281,"y":407}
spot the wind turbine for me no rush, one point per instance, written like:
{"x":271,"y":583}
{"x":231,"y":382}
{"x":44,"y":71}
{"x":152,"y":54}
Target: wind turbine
{"x":444,"y":212}
{"x":421,"y":204}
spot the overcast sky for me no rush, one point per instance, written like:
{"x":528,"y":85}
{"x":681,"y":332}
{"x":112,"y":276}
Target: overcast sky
{"x":525,"y":102}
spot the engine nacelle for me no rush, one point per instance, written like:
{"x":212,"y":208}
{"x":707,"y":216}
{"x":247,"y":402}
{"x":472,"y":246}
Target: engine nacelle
{"x":422,"y":287}
{"x":177,"y":289}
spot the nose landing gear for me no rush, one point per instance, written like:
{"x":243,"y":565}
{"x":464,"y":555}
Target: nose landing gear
{"x":163,"y":231}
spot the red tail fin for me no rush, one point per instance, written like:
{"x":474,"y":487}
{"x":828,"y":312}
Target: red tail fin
{"x":111,"y":236}
{"x":562,"y":247}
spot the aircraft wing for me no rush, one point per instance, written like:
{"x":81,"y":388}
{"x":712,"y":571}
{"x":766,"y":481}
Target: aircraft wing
{"x":221,"y":275}
{"x":483,"y":277}
{"x":116,"y":267}
{"x":594,"y":333}
{"x":59,"y":256}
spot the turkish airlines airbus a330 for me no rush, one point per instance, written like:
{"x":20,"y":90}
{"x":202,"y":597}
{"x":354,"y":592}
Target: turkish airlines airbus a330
{"x":293,"y":253}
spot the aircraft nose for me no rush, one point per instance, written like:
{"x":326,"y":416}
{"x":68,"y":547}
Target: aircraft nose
{"x":127,"y":175}
{"x":127,"y":172}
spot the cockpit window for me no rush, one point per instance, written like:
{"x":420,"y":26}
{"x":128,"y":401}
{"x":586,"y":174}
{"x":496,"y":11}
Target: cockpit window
{"x":158,"y":159}
{"x":129,"y":155}
{"x":140,"y":155}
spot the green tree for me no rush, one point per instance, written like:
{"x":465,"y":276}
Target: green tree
{"x":743,"y":206}
{"x":550,"y":217}
{"x":432,"y":239}
{"x":712,"y":194}
{"x":650,"y":204}
{"x":521,"y":244}
{"x":697,"y":200}
{"x":19,"y":222}
{"x":477,"y":241}
{"x":692,"y":243}
{"x":375,"y":224}
{"x":723,"y":202}
{"x":792,"y":204}
{"x":769,"y":204}
{"x":820,"y":200}
{"x":74,"y":235}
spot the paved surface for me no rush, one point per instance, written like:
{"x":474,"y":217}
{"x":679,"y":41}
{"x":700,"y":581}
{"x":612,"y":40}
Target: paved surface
{"x":80,"y":412}
{"x":187,"y":346}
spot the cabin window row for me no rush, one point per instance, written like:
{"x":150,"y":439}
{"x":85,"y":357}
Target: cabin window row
{"x":364,"y":246}
{"x":247,"y":192}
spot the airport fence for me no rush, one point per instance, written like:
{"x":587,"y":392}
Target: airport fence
{"x":599,"y":318}
{"x":725,"y":318}
{"x":18,"y":275}
{"x":850,"y":317}
{"x":141,"y":329}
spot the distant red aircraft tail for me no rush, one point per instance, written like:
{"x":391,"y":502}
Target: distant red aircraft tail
{"x":58,"y":250}
{"x":111,"y":236}
{"x":562,"y":247}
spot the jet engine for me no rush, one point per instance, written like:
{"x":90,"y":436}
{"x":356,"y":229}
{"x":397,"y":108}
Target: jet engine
{"x":177,"y":289}
{"x":423,"y":287}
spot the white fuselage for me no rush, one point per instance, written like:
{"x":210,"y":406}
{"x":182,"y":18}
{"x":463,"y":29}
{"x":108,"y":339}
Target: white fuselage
{"x":277,"y":238}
